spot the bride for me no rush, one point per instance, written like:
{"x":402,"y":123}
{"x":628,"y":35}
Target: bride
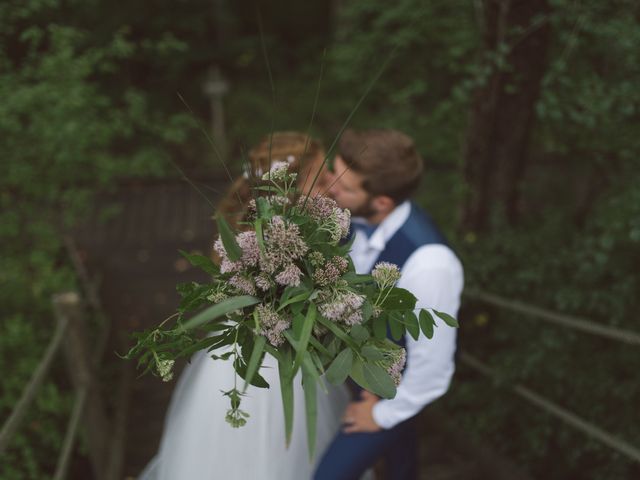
{"x":197,"y":442}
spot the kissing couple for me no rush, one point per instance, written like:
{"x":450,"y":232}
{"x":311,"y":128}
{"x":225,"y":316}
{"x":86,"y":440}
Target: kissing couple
{"x":375,"y":174}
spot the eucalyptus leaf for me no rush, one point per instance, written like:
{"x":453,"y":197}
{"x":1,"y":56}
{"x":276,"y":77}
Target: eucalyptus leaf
{"x":426,"y":323}
{"x":319,"y":347}
{"x":367,"y":311}
{"x":199,"y":345}
{"x":355,"y":278}
{"x":234,"y":252}
{"x":317,"y":361}
{"x":297,"y":324}
{"x":202,"y":262}
{"x":260,"y":236}
{"x":286,"y":391}
{"x":379,"y":381}
{"x":255,"y":359}
{"x":359,"y":333}
{"x":298,"y":298}
{"x":399,"y":299}
{"x":241,"y":369}
{"x":340,"y":368}
{"x":311,"y":407}
{"x":309,"y":322}
{"x":396,"y":326}
{"x":371,"y":353}
{"x":264,"y":208}
{"x":219,"y":309}
{"x":337,"y":331}
{"x":380,"y":327}
{"x":412,"y":324}
{"x":448,"y":319}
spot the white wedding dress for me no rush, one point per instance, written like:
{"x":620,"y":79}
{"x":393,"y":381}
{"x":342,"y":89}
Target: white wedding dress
{"x":198,"y":444}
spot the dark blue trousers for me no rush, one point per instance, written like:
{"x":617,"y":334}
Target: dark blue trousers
{"x":350,"y":455}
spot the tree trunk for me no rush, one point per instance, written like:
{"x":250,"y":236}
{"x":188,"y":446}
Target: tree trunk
{"x":502,"y":110}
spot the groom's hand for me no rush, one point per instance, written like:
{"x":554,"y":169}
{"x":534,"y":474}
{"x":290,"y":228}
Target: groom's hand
{"x":359,"y":415}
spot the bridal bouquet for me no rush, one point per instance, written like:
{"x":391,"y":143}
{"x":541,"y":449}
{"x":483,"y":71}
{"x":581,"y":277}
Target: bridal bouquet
{"x":285,"y":286}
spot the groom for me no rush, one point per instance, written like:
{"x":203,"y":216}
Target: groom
{"x":375,"y":174}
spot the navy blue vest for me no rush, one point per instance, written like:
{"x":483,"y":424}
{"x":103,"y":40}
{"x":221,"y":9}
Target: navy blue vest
{"x":418,"y":230}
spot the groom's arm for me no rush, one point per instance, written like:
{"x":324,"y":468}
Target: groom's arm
{"x":434,"y":275}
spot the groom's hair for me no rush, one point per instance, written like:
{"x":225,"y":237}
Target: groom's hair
{"x":387,"y":159}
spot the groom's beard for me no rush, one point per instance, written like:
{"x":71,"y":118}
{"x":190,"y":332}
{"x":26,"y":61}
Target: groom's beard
{"x":365,"y":211}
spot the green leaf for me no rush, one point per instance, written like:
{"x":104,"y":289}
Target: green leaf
{"x":265,"y":188}
{"x":226,"y":338}
{"x":411,"y":322}
{"x":259,"y":236}
{"x":234,"y":252}
{"x":298,"y":298}
{"x":426,"y":323}
{"x":380,"y":382}
{"x":311,"y":407}
{"x":199,"y":345}
{"x":307,"y":328}
{"x":193,"y":295}
{"x":286,"y":391}
{"x":264,"y":207}
{"x":396,"y":326}
{"x":340,"y":368}
{"x":319,"y":347}
{"x":255,"y":359}
{"x":380,"y":327}
{"x":373,"y":378}
{"x":317,"y":362}
{"x":448,"y":319}
{"x":241,"y":368}
{"x":297,"y":324}
{"x":354,"y":278}
{"x":289,"y":292}
{"x":337,"y":331}
{"x":399,"y":299}
{"x":359,"y":333}
{"x":220,"y":309}
{"x":202,"y":262}
{"x":371,"y":353}
{"x":367,"y":311}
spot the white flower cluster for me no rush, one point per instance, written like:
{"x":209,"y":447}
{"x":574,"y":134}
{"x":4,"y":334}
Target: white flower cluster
{"x":165,"y":369}
{"x":385,"y":274}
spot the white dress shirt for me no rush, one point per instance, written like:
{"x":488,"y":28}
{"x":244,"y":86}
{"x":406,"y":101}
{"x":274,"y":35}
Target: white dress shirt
{"x":434,"y":275}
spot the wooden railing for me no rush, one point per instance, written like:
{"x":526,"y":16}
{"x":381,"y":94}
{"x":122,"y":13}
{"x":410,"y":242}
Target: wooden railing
{"x":104,"y":436}
{"x":535,"y":398}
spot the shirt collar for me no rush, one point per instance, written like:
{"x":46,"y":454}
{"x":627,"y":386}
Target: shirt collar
{"x":388,"y":227}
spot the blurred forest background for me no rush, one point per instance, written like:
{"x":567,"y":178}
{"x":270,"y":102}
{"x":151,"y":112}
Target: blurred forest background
{"x":527,"y":114}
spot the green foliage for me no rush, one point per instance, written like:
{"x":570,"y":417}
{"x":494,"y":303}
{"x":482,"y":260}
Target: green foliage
{"x":89,"y":97}
{"x":63,"y":138}
{"x":33,"y":451}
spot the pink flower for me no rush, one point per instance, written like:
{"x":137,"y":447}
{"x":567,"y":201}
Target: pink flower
{"x":290,"y":276}
{"x":331,"y":272}
{"x":398,"y":359}
{"x":319,"y":207}
{"x":248,"y":242}
{"x":283,"y":243}
{"x":272,"y":325}
{"x":243,"y":284}
{"x":342,"y":306}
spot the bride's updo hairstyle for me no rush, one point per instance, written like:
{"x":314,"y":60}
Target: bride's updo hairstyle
{"x":304,"y":155}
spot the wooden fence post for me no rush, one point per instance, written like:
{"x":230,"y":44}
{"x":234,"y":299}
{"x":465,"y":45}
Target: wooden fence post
{"x":80,"y":366}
